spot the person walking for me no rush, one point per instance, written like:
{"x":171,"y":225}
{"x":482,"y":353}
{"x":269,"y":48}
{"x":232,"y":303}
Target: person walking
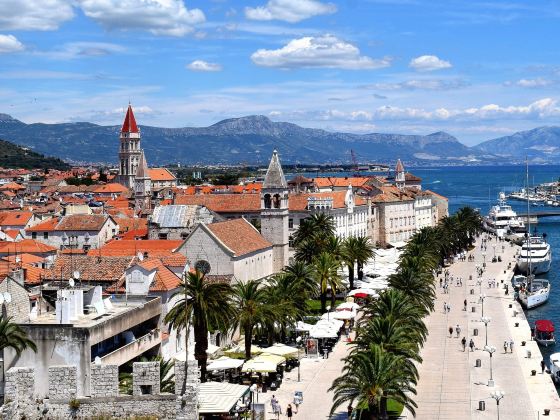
{"x":289,"y":411}
{"x":511,"y":345}
{"x":471,"y":345}
{"x":448,"y":308}
{"x":450,"y":332}
{"x":444,"y":307}
{"x":458,"y":330}
{"x":543,"y":365}
{"x":350,"y":409}
{"x":464,"y":343}
{"x":465,"y":305}
{"x":505,"y":346}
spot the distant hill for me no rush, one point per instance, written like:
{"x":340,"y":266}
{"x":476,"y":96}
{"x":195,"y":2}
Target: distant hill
{"x":248,"y":139}
{"x":540,"y":144}
{"x":14,"y":156}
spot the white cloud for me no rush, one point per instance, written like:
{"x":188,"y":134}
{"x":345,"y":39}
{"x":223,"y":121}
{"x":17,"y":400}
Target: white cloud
{"x":421,"y":84}
{"x":201,"y":65}
{"x":429,"y":63}
{"x":10,"y":44}
{"x":82,"y":49}
{"x":41,"y":15}
{"x":160,"y":17}
{"x":322,"y":51}
{"x":289,"y":10}
{"x":532,"y":83}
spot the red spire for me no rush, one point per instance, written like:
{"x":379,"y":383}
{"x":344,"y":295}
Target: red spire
{"x":129,"y":125}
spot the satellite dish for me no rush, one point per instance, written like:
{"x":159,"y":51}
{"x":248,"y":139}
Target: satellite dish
{"x":1,"y":298}
{"x":140,"y":256}
{"x":71,"y":282}
{"x":18,"y":259}
{"x":76,"y":274}
{"x":7,"y":297}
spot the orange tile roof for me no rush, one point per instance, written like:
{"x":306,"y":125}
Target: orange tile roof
{"x":12,"y":186}
{"x":112,"y":188}
{"x":131,"y":223}
{"x":436,"y":194}
{"x":239,"y":236}
{"x":154,"y":247}
{"x":12,"y":233}
{"x":391,"y":194}
{"x":72,"y":222}
{"x":33,"y":275}
{"x":174,"y":260}
{"x":25,"y":258}
{"x":164,"y":280}
{"x":46,"y":226}
{"x":223,"y":203}
{"x":161,"y":174}
{"x":298,"y":202}
{"x":27,"y":246}
{"x":15,"y":218}
{"x":323,"y":182}
{"x":8,"y":194}
{"x":91,"y":267}
{"x":134,"y":234}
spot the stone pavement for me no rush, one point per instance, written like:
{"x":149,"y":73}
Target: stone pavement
{"x":450,"y":385}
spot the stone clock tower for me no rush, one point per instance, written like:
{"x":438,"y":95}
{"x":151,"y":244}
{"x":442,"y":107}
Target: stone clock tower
{"x":130,"y":150}
{"x":275,"y":212}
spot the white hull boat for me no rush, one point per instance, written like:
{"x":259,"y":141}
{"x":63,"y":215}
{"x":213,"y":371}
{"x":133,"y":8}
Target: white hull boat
{"x":536,"y":255}
{"x":534,"y":294}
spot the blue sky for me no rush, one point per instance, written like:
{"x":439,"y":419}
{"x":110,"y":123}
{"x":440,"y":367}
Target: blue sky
{"x":476,"y":69}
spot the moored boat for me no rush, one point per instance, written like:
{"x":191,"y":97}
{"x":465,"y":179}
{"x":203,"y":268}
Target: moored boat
{"x":555,"y":367}
{"x":544,"y":332}
{"x":534,"y":292}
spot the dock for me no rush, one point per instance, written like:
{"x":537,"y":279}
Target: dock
{"x":454,"y":384}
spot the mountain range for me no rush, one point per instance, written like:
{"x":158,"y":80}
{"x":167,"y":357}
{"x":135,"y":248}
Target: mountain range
{"x":252,"y":139}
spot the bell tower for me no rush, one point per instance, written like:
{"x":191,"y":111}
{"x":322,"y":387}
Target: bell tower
{"x":142,"y":186}
{"x":130,"y":150}
{"x":275,"y":212}
{"x":400,"y":180}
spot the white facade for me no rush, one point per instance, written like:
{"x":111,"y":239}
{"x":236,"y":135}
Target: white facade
{"x":423,"y":211}
{"x":396,"y":221}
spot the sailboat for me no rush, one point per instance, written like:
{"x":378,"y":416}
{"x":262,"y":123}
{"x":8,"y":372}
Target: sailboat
{"x":534,"y":292}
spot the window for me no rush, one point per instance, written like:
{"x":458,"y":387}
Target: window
{"x":291,"y":223}
{"x":45,"y":235}
{"x":33,"y":235}
{"x":162,"y":236}
{"x":267,"y":201}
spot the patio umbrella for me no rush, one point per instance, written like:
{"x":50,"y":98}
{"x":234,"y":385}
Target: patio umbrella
{"x":224,"y":363}
{"x":281,"y":350}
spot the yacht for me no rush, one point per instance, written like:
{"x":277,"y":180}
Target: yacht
{"x":555,"y":367}
{"x":535,"y":252}
{"x":502,"y":220}
{"x":534,"y":292}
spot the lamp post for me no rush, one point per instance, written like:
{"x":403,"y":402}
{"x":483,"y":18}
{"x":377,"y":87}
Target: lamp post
{"x":482,"y":297}
{"x":298,"y":345}
{"x":328,"y":313}
{"x":491,"y":350}
{"x":486,"y":320}
{"x":479,"y":284}
{"x":253,"y":389}
{"x":494,"y":246}
{"x":497,"y":395}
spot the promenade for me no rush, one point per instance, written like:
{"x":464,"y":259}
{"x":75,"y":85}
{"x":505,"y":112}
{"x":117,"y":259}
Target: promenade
{"x":451,"y":385}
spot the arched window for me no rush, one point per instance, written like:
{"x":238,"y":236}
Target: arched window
{"x":277,"y":201}
{"x":267,"y":201}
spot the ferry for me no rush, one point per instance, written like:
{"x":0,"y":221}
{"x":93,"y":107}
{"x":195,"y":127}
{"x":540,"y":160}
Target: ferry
{"x":535,"y":256}
{"x":502,"y":220}
{"x":544,"y":332}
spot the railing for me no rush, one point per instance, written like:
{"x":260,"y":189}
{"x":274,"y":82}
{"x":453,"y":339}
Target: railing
{"x":133,"y":349}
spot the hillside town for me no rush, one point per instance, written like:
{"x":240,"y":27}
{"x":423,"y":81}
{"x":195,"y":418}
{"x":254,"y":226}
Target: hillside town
{"x":94,"y":273}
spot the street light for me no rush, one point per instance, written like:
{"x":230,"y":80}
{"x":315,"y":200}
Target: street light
{"x":479,"y":284}
{"x":328,"y":313}
{"x":482,"y":297}
{"x":497,"y":395}
{"x":253,"y":388}
{"x":491,"y":350}
{"x":298,"y":345}
{"x":486,"y":320}
{"x":484,"y":262}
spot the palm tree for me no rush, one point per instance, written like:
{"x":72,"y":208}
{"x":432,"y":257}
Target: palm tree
{"x":208,"y":306}
{"x":301,"y":274}
{"x":319,"y":226}
{"x":166,"y":376}
{"x":365,"y":252}
{"x":350,"y":255}
{"x":370,"y":378}
{"x":252,"y":307}
{"x":12,"y":336}
{"x":326,"y":274}
{"x":416,"y":281}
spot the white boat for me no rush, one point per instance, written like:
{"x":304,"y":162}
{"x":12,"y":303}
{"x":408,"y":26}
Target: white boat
{"x":536,"y":291}
{"x":555,"y":367}
{"x":537,"y":252}
{"x":544,"y":332}
{"x":502,"y":219}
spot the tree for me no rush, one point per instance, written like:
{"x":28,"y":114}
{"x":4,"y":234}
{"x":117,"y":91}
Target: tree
{"x":208,"y":306}
{"x":356,"y":250}
{"x":252,"y":307}
{"x":326,"y":274}
{"x":12,"y":336}
{"x":365,"y":253}
{"x":372,"y":377}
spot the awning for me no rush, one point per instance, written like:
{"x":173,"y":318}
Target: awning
{"x":219,"y":397}
{"x":224,"y":363}
{"x":281,"y":350}
{"x":239,"y":350}
{"x":263,"y":363}
{"x":544,"y":325}
{"x":362,"y":292}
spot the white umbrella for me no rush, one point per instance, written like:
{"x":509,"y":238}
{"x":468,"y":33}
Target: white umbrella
{"x":347,"y":306}
{"x":344,"y":315}
{"x":281,"y":350}
{"x":303,"y":327}
{"x":369,"y":292}
{"x":224,"y":363}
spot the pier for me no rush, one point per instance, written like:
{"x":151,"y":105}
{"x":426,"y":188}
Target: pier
{"x":455,"y":384}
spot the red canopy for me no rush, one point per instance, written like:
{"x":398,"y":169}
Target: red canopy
{"x":544,"y":325}
{"x":361,"y":295}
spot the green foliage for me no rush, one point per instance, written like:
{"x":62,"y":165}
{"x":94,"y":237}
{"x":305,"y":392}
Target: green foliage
{"x":13,"y":156}
{"x":74,"y":404}
{"x":79,"y":181}
{"x":14,"y":337}
{"x":166,"y":376}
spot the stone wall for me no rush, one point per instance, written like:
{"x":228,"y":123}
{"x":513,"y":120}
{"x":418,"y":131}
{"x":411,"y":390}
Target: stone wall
{"x":22,"y":401}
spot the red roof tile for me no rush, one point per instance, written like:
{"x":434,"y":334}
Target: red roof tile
{"x":239,"y":235}
{"x":129,"y":124}
{"x":161,"y":174}
{"x":223,"y":203}
{"x":15,"y":218}
{"x":154,"y":247}
{"x":27,"y":246}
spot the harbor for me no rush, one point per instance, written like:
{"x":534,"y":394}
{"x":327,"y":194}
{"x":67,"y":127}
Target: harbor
{"x":462,"y":384}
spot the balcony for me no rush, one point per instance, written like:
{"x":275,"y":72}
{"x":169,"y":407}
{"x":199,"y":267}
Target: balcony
{"x":133,"y":349}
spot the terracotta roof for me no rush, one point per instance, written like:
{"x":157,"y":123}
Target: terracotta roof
{"x":134,"y":234}
{"x":91,"y":267}
{"x":112,"y":188}
{"x":174,"y":260}
{"x":436,"y":194}
{"x":12,"y":186}
{"x":393,"y":194}
{"x":412,"y":178}
{"x":131,"y":223}
{"x":15,"y":218}
{"x":298,"y":202}
{"x":72,"y":222}
{"x":224,"y":203}
{"x":164,"y":279}
{"x":27,"y":246}
{"x":25,"y":258}
{"x":161,"y":174}
{"x":33,"y":275}
{"x":239,"y":235}
{"x":46,"y":226}
{"x":323,"y":182}
{"x":129,"y":124}
{"x":154,"y":247}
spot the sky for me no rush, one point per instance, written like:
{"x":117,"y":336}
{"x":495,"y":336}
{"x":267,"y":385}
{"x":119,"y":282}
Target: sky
{"x":475,"y":69}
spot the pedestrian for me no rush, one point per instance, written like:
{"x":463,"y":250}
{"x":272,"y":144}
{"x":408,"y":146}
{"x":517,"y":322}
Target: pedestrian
{"x":440,"y":282}
{"x":444,"y":307}
{"x":465,"y":305}
{"x":511,"y":345}
{"x":458,"y":330}
{"x":450,"y":332}
{"x":464,"y":343}
{"x":471,"y":344}
{"x":289,"y":411}
{"x":448,"y":308}
{"x":505,"y":346}
{"x":542,"y":366}
{"x":350,"y":409}
{"x":297,"y":401}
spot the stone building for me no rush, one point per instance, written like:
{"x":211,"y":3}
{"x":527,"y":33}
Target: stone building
{"x":130,"y":151}
{"x":178,"y":221}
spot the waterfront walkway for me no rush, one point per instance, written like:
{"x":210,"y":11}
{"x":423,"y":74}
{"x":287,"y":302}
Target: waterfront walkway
{"x":451,"y":385}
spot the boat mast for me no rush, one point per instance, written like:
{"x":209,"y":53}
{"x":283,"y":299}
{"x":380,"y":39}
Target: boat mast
{"x":529,"y":266}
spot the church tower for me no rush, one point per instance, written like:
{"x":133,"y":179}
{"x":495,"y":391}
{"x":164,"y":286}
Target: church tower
{"x":130,"y":150}
{"x":400,"y":180}
{"x":142,"y":186}
{"x":275,"y":212}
